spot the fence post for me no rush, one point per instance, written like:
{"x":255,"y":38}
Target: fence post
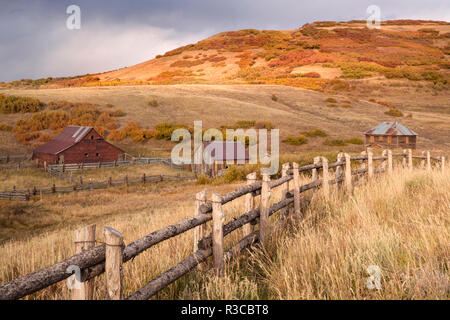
{"x":410,"y":162}
{"x":363,"y":162}
{"x":325,"y":180}
{"x":113,"y":263}
{"x":81,"y":180}
{"x":315,"y":172}
{"x":27,"y":195}
{"x":348,"y":173}
{"x":384,"y":162}
{"x":296,"y":176}
{"x":390,"y":167}
{"x":84,"y":239}
{"x":53,"y":188}
{"x":45,"y":166}
{"x":143,"y":178}
{"x":199,"y":231}
{"x":422,"y":161}
{"x":285,"y":188}
{"x":249,"y":203}
{"x":218,"y":220}
{"x":370,"y":164}
{"x":126,"y":180}
{"x":428,"y":161}
{"x":443,"y":164}
{"x":338,"y":172}
{"x":404,"y":158}
{"x":7,"y":158}
{"x":109,"y":181}
{"x":264,"y":209}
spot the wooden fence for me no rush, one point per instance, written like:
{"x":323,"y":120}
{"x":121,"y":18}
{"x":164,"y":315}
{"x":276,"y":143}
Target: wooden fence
{"x":14,"y":158}
{"x":93,"y":260}
{"x":96,"y":165}
{"x":26,"y":195}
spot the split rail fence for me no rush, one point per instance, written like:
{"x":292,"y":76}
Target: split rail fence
{"x":93,"y":260}
{"x":61,"y":171}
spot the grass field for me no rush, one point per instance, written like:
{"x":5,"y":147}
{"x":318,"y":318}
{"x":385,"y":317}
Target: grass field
{"x":296,"y":110}
{"x":398,"y":224}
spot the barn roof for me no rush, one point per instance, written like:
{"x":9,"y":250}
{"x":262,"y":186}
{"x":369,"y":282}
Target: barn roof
{"x":227,"y":150}
{"x":70,"y":136}
{"x":391,"y":128}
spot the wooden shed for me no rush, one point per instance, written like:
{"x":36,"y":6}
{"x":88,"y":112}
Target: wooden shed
{"x":391,"y":134}
{"x":78,"y":145}
{"x":219,"y":154}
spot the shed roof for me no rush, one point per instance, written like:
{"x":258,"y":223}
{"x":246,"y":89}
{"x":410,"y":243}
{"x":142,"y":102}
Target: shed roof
{"x":70,"y":136}
{"x":391,"y":128}
{"x":227,"y":150}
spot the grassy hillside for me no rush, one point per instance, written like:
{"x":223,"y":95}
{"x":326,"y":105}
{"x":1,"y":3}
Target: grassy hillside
{"x":294,"y":111}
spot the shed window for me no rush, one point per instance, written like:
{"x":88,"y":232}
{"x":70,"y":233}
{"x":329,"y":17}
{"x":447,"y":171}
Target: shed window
{"x":97,"y":154}
{"x":380,"y":138}
{"x":92,"y":137}
{"x":86,"y":155}
{"x":372,"y":139}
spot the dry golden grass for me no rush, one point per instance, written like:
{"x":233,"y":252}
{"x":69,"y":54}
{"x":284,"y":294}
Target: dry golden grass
{"x":398,"y":223}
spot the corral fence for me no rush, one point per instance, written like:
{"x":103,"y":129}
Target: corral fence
{"x":92,"y":260}
{"x":15,"y":158}
{"x":26,"y":195}
{"x":53,"y":168}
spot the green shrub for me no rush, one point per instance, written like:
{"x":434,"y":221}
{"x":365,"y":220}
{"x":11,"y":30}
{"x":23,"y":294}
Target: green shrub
{"x":335,"y":142}
{"x":354,"y":141}
{"x":295,"y":141}
{"x":245,"y":124}
{"x":153,"y":103}
{"x":394,"y":113}
{"x":15,"y":104}
{"x":314,"y":133}
{"x":264,"y":125}
{"x":203,"y":179}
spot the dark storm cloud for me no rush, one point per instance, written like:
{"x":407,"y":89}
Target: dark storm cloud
{"x":34,"y":40}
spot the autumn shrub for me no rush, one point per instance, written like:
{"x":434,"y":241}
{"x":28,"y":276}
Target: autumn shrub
{"x":346,"y":106}
{"x":314,"y":133}
{"x":332,"y":105}
{"x":394,"y":113}
{"x":331,"y":100}
{"x":203,"y":179}
{"x":274,"y":97}
{"x":15,"y":104}
{"x":5,"y":127}
{"x":312,"y":75}
{"x":295,"y":140}
{"x":335,"y":142}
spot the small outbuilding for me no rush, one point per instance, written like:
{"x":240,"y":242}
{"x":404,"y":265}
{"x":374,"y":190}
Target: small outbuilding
{"x":391,"y":134}
{"x":77,"y":144}
{"x":218,"y":154}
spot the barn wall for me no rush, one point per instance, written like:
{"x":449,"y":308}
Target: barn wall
{"x":93,"y":148}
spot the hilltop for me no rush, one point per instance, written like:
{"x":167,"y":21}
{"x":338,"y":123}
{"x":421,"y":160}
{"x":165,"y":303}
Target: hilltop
{"x":359,"y":77}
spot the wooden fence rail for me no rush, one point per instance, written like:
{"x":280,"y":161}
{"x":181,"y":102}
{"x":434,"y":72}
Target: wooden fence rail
{"x":93,"y":261}
{"x":26,"y":195}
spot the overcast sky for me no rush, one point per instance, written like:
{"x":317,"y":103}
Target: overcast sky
{"x":35,"y":42}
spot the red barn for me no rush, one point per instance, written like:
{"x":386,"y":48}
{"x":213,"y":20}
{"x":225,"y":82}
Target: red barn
{"x":77,"y":145}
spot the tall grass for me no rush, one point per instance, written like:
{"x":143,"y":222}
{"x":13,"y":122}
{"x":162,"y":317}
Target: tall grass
{"x":398,"y":223}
